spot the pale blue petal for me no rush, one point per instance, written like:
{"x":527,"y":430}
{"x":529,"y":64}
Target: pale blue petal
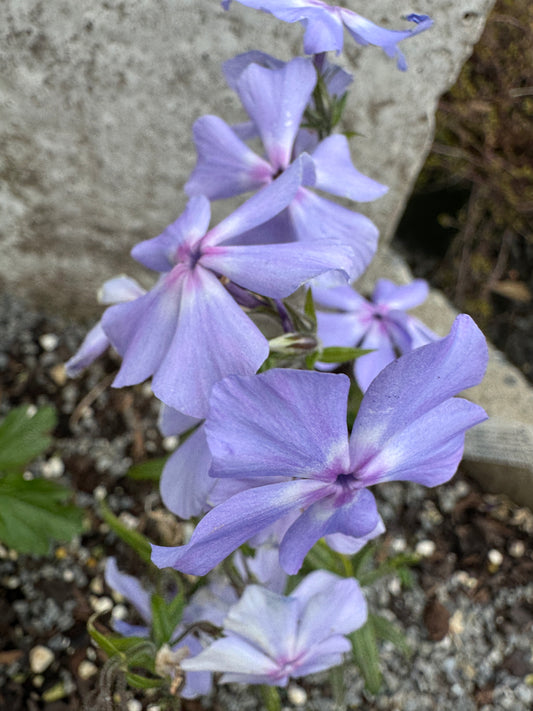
{"x":365,"y":32}
{"x":118,"y":289}
{"x":278,"y":270}
{"x":408,"y":389}
{"x":355,"y":516}
{"x":214,"y":338}
{"x":314,"y":217}
{"x":185,"y":483}
{"x":401,"y":297}
{"x":265,"y":204}
{"x":233,"y":522}
{"x":347,"y":545}
{"x":275,"y":99}
{"x":336,"y":174}
{"x":231,"y":654}
{"x":270,"y":425}
{"x":160,"y":253}
{"x":171,"y":422}
{"x":268,"y":620}
{"x":129,"y":587}
{"x":225,"y":165}
{"x":233,"y":68}
{"x":94,"y":344}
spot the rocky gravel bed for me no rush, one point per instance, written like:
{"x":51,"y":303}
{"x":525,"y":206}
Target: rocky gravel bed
{"x":468,"y":616}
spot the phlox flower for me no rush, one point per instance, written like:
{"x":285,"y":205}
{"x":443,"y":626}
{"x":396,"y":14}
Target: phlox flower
{"x":324,"y":25}
{"x":292,"y":424}
{"x":187,"y":331}
{"x":270,"y":638}
{"x":275,"y":99}
{"x":113,"y":291}
{"x":380,"y":324}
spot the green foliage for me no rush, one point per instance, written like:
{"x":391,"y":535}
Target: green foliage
{"x":165,"y":617}
{"x":150,"y":470}
{"x":24,"y":435}
{"x":134,"y":539}
{"x":33,"y":512}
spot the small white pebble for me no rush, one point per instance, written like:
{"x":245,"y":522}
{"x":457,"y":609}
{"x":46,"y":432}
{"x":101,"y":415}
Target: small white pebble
{"x":12,"y":554}
{"x":101,"y":604}
{"x":457,"y":623}
{"x":425,"y":548}
{"x":68,"y":575}
{"x":296,"y":695}
{"x":170,"y":443}
{"x":134,"y":705}
{"x":53,"y":468}
{"x":28,"y":476}
{"x":11,"y":582}
{"x":399,"y":544}
{"x":91,"y":653}
{"x":129,"y":520}
{"x":100,"y":492}
{"x":394,"y":586}
{"x":146,"y":390}
{"x":38,"y":681}
{"x":154,"y":707}
{"x":119,"y":612}
{"x":3,"y":552}
{"x":97,"y":585}
{"x":87,"y":669}
{"x":49,"y":341}
{"x":517,"y":549}
{"x":495,"y":558}
{"x":31,"y":411}
{"x":40,"y":658}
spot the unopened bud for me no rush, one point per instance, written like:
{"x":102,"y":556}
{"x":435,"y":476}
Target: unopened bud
{"x":293,"y":344}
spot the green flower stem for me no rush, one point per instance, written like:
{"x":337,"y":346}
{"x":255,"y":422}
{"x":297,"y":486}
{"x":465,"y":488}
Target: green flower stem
{"x":271,"y":698}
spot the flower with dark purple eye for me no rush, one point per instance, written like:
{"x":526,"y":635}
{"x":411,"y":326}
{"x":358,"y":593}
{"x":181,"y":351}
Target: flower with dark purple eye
{"x":292,"y":424}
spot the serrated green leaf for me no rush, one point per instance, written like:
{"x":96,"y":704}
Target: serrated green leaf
{"x":134,"y":539}
{"x":34,"y":513}
{"x":150,"y":470}
{"x":165,"y":617}
{"x":386,"y":630}
{"x":322,"y":557}
{"x":366,"y":655}
{"x":23,"y":436}
{"x":338,"y":354}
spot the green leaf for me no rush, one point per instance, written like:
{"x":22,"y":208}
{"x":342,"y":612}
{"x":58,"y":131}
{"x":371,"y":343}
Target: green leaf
{"x":134,"y":539}
{"x":133,"y":651}
{"x":150,"y":470}
{"x":366,"y":655}
{"x":309,"y":309}
{"x":34,"y":513}
{"x":165,"y":617}
{"x":338,"y":354}
{"x":391,"y":633}
{"x":338,"y":108}
{"x":23,"y":436}
{"x":142,"y":682}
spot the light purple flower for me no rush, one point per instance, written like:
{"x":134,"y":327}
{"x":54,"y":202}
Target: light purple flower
{"x":275,"y":99}
{"x":187,"y":331}
{"x":324,"y":25}
{"x":270,"y":638}
{"x":380,"y":324}
{"x":292,"y":424}
{"x":113,"y":291}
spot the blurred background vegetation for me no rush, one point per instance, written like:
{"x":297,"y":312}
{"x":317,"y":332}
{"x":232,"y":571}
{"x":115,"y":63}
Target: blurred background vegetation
{"x":468,"y":228}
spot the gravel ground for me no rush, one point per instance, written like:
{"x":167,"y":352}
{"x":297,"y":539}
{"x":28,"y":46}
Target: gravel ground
{"x":468,"y":617}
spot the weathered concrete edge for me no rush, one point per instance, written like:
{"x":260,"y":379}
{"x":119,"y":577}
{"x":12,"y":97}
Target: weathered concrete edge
{"x":498,"y":453}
